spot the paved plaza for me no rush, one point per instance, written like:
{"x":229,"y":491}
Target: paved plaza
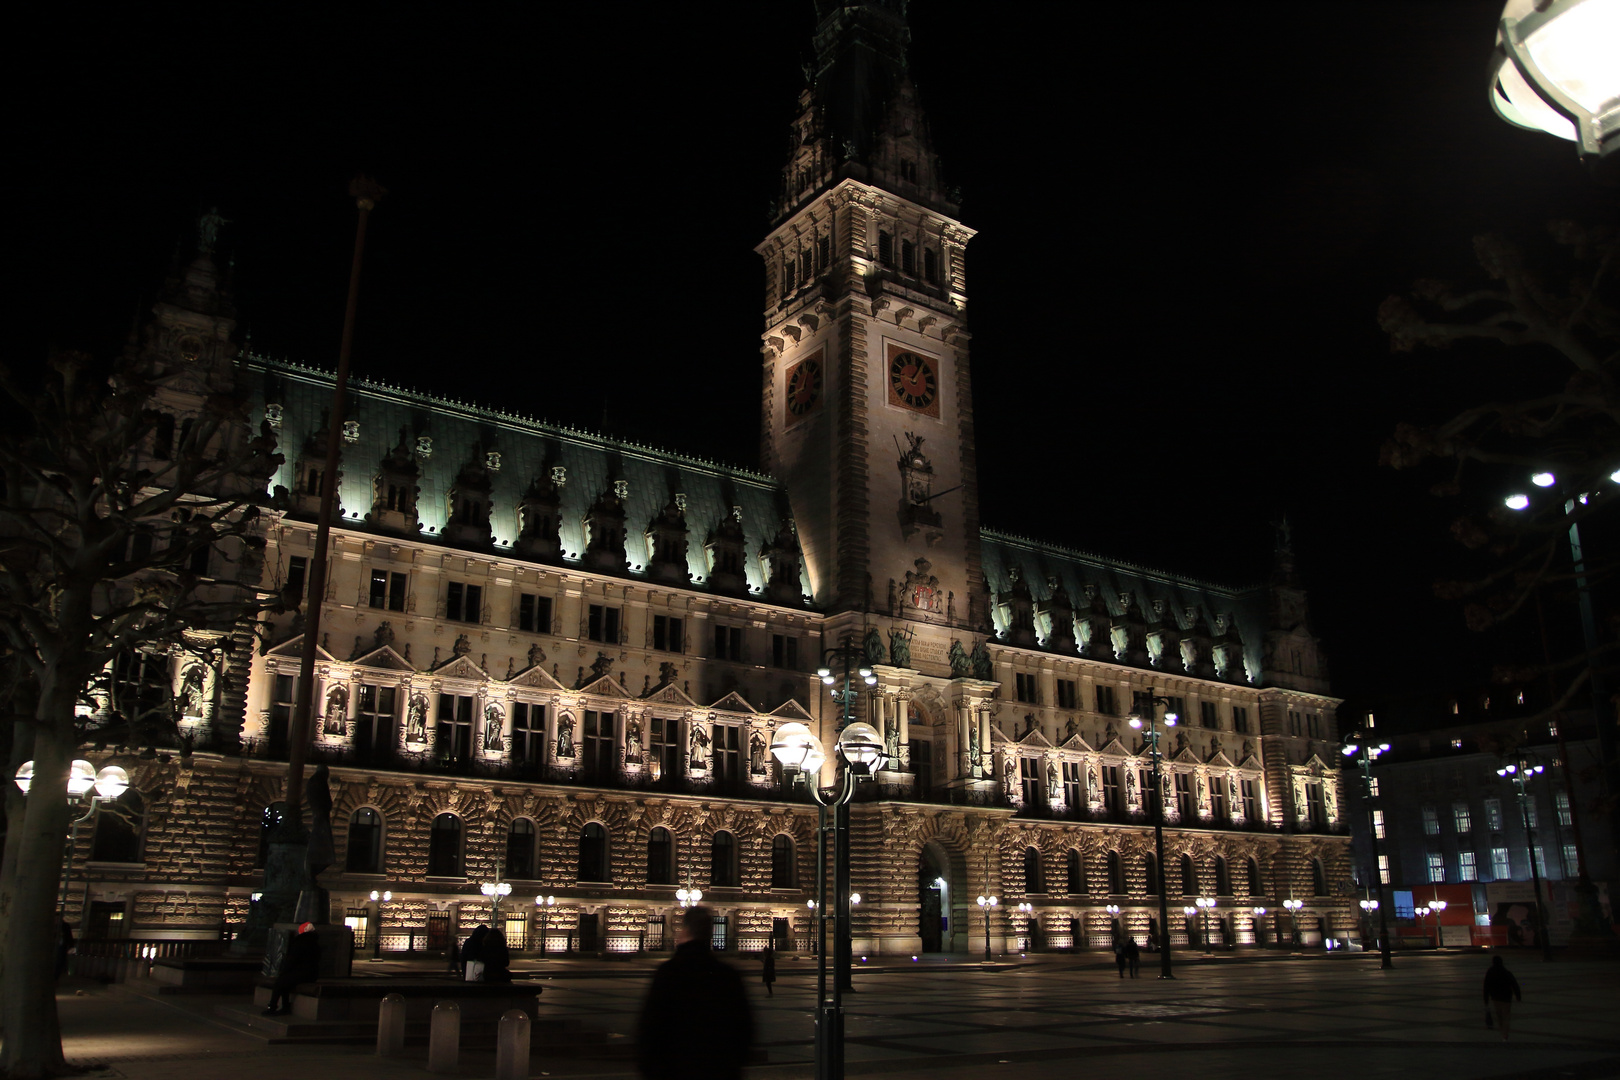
{"x":1052,"y":1017}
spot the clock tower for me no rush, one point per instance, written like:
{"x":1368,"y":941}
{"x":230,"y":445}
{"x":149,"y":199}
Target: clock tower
{"x":867,"y":398}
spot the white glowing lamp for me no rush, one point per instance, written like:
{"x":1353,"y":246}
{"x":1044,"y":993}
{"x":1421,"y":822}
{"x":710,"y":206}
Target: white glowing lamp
{"x":1516,"y":502}
{"x":1544,"y":479}
{"x":862,"y":747}
{"x":81,"y":778}
{"x":25,"y":776}
{"x":111,"y":782}
{"x":1554,"y":70}
{"x":797,"y":748}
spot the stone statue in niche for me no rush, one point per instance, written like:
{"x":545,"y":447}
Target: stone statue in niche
{"x":874,"y":647}
{"x":416,"y":720}
{"x":632,"y":739}
{"x":1203,"y":792}
{"x":337,"y":708}
{"x":891,"y":737}
{"x":900,"y":647}
{"x":1094,"y":785}
{"x":192,"y":697}
{"x":699,"y":749}
{"x":983,"y":669}
{"x":756,"y":754}
{"x":1009,"y":774}
{"x":1131,"y":796}
{"x":565,"y":736}
{"x":975,"y":759}
{"x":961,"y":666}
{"x":1052,"y":783}
{"x":492,"y":728}
{"x":1232,"y":794}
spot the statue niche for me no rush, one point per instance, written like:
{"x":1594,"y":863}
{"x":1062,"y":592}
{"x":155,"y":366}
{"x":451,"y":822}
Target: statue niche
{"x":395,"y":489}
{"x":917,"y":513}
{"x":540,"y":518}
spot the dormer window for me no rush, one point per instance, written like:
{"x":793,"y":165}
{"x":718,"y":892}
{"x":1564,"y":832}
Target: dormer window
{"x":313,"y":478}
{"x":908,"y":171}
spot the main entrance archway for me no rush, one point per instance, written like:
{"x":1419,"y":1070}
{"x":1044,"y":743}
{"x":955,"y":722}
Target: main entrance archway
{"x":934,"y":890}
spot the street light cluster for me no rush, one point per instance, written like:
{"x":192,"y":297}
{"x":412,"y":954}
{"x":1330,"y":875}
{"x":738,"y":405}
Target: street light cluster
{"x":1554,"y":70}
{"x":111,"y":782}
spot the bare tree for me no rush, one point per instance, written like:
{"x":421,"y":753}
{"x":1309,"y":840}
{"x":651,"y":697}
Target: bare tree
{"x":128,"y":523}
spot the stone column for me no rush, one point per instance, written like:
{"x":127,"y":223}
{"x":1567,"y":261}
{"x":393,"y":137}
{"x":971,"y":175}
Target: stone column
{"x":903,"y":704}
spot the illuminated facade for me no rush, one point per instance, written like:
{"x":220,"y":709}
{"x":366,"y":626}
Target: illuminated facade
{"x":561,"y":658}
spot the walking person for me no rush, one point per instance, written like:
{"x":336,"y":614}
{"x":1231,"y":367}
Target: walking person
{"x":1119,"y":956}
{"x":769,"y":974}
{"x":695,"y":1023}
{"x":1133,"y":955}
{"x":301,"y":964}
{"x":1501,"y":991}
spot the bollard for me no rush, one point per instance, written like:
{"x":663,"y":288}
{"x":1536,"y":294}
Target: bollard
{"x":391,"y":1025}
{"x":444,"y":1037}
{"x":512,"y":1046}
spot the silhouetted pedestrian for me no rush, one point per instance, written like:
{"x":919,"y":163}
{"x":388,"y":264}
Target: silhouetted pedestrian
{"x":1501,"y":991}
{"x":302,"y":963}
{"x":695,"y":1023}
{"x":64,"y":945}
{"x":472,"y":954}
{"x":497,"y":958}
{"x":1119,"y":956}
{"x":1133,"y":955}
{"x":769,"y":974}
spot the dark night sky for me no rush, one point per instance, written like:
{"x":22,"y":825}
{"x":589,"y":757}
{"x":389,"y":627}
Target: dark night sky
{"x":1174,"y":286}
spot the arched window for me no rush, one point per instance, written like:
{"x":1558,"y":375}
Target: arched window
{"x":723,"y":860}
{"x":1077,"y":872}
{"x":1033,"y":882}
{"x":1189,"y":877}
{"x":660,"y":857}
{"x":119,"y":825}
{"x":267,"y":825}
{"x":520,"y":850}
{"x":364,"y":855}
{"x":782,"y":862}
{"x":593,"y":853}
{"x":1318,"y":878}
{"x":1116,"y":874}
{"x":444,"y":847}
{"x":1254,"y":878}
{"x":1150,"y":870}
{"x":1223,"y":878}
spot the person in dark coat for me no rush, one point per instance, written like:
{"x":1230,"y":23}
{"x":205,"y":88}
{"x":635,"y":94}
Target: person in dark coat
{"x":695,"y":1023}
{"x":769,"y":972}
{"x":64,"y":945}
{"x":497,"y":958}
{"x":301,"y":964}
{"x":1133,"y":956}
{"x":1501,"y":991}
{"x":473,"y":948}
{"x":1119,"y":956}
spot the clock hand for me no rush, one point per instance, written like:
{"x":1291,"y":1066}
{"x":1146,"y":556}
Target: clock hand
{"x":937,"y":494}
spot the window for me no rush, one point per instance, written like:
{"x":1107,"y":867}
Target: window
{"x":1106,"y":703}
{"x":1150,"y":875}
{"x":1561,"y":803}
{"x":782,"y":862}
{"x":807,"y":266}
{"x":660,"y":857}
{"x":1293,"y":722}
{"x":1315,"y":805}
{"x":375,"y":724}
{"x":364,"y":854}
{"x":1073,"y":792}
{"x":1437,"y":868}
{"x":1189,"y":877}
{"x":1077,"y":873}
{"x":1313,"y":722}
{"x":1177,"y":707}
{"x":268,"y":820}
{"x":1252,"y":870}
{"x":283,"y":697}
{"x":593,"y":853}
{"x":1532,"y":819}
{"x":1318,"y":878}
{"x":1217,"y":796}
{"x":1462,"y":817}
{"x":908,"y":170}
{"x":728,"y":643}
{"x":455,"y":726}
{"x":1383,"y":870}
{"x":1431,"y":821}
{"x":1029,"y":775}
{"x":885,"y":248}
{"x":922,"y":763}
{"x":600,"y":758}
{"x":669,"y":633}
{"x":528,"y":733}
{"x":790,"y":280}
{"x":1027,"y":690}
{"x":1223,"y":878}
{"x":1066,"y":696}
{"x":602,"y":623}
{"x":908,"y":257}
{"x":1493,"y":815}
{"x":463,"y":602}
{"x":723,"y":860}
{"x":1209,"y":714}
{"x":1251,"y":800}
{"x":727,"y":749}
{"x":1240,"y":719}
{"x":1116,"y":874}
{"x":931,"y":266}
{"x":1501,"y":864}
{"x":314,"y":480}
{"x":297,"y":575}
{"x":520,"y":849}
{"x":1372,"y":786}
{"x":119,"y":826}
{"x":665,"y":748}
{"x":388,"y":590}
{"x":534,"y":613}
{"x":1378,"y":824}
{"x":444,"y":847}
{"x":1572,"y":861}
{"x":785,"y":652}
{"x":823,"y":249}
{"x":1466,"y":870}
{"x":1110,"y":776}
{"x":1033,"y":882}
{"x":1184,"y":797}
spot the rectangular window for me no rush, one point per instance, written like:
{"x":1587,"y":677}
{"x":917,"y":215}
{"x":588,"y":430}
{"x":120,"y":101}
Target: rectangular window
{"x":455,"y":726}
{"x":1462,"y":817}
{"x":1372,"y":786}
{"x":1177,"y":707}
{"x":1383,"y":869}
{"x":1378,"y":824}
{"x":1501,"y":864}
{"x":297,"y":573}
{"x":806,"y":266}
{"x":727,"y":752}
{"x":1066,"y":695}
{"x":1572,"y":861}
{"x":1251,"y":801}
{"x":1314,"y":724}
{"x":885,"y":248}
{"x":669,"y":633}
{"x":1073,"y":793}
{"x":1437,"y":868}
{"x":374,"y":719}
{"x":1027,"y":691}
{"x":1293,"y":722}
{"x":1493,"y":815}
{"x":728,"y":643}
{"x":908,"y":170}
{"x":602,"y":624}
{"x":528,"y":732}
{"x":1209,"y":714}
{"x":908,"y":257}
{"x":823,"y":247}
{"x":789,"y":276}
{"x":1315,"y":805}
{"x":1541,"y":860}
{"x":665,"y":748}
{"x":600,"y":756}
{"x":1184,"y":797}
{"x":922,"y":763}
{"x":283,"y":695}
{"x":1240,"y":719}
{"x":534,"y":613}
{"x":1531,"y":817}
{"x":1466,"y":870}
{"x":387,"y":590}
{"x":1106,"y":703}
{"x":1029,"y":773}
{"x":785,"y":652}
{"x":1431,"y":821}
{"x":1561,"y":802}
{"x":1110,"y":777}
{"x":931,"y":266}
{"x":1217,"y":797}
{"x":464,"y":602}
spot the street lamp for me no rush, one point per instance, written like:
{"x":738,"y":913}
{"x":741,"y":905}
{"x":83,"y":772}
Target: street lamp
{"x":1367,"y":908}
{"x":111,"y":782}
{"x":1259,"y":914}
{"x":688,"y":897}
{"x":1360,"y":745}
{"x":544,"y":904}
{"x":1293,"y":907}
{"x":495,"y":890}
{"x":986,"y":905}
{"x":1144,"y":715}
{"x":1553,"y":70}
{"x":1191,"y":914}
{"x":1113,"y":924}
{"x":378,"y":898}
{"x":1519,"y":771}
{"x":1206,"y":904}
{"x":1439,"y":909}
{"x":1027,"y":910}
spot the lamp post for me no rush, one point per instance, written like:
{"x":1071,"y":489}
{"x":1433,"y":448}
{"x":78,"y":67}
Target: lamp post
{"x":1144,"y":717}
{"x":986,"y":905}
{"x":495,"y":890}
{"x":1206,"y":904}
{"x":1367,"y":908}
{"x":1439,"y":909}
{"x":1113,"y":924}
{"x":800,"y":753}
{"x":1027,"y":910}
{"x":1553,"y":70}
{"x":108,"y":784}
{"x":1259,"y":914}
{"x":845,"y":670}
{"x":378,"y":898}
{"x":1519,"y":771}
{"x":1359,"y":744}
{"x":544,"y":904}
{"x":1190,"y":914}
{"x":1293,"y":907}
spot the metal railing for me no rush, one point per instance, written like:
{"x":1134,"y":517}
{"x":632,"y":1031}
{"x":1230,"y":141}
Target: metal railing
{"x":118,"y":959}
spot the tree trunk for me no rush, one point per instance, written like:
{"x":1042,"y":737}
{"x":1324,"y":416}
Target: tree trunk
{"x":22,"y":749}
{"x":32,"y":1045}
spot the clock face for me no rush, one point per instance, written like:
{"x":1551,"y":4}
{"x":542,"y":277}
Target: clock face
{"x":804,"y":386}
{"x":913,"y":382}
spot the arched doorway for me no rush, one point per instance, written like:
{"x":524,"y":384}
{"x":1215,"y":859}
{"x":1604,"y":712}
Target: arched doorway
{"x":934,"y":890}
